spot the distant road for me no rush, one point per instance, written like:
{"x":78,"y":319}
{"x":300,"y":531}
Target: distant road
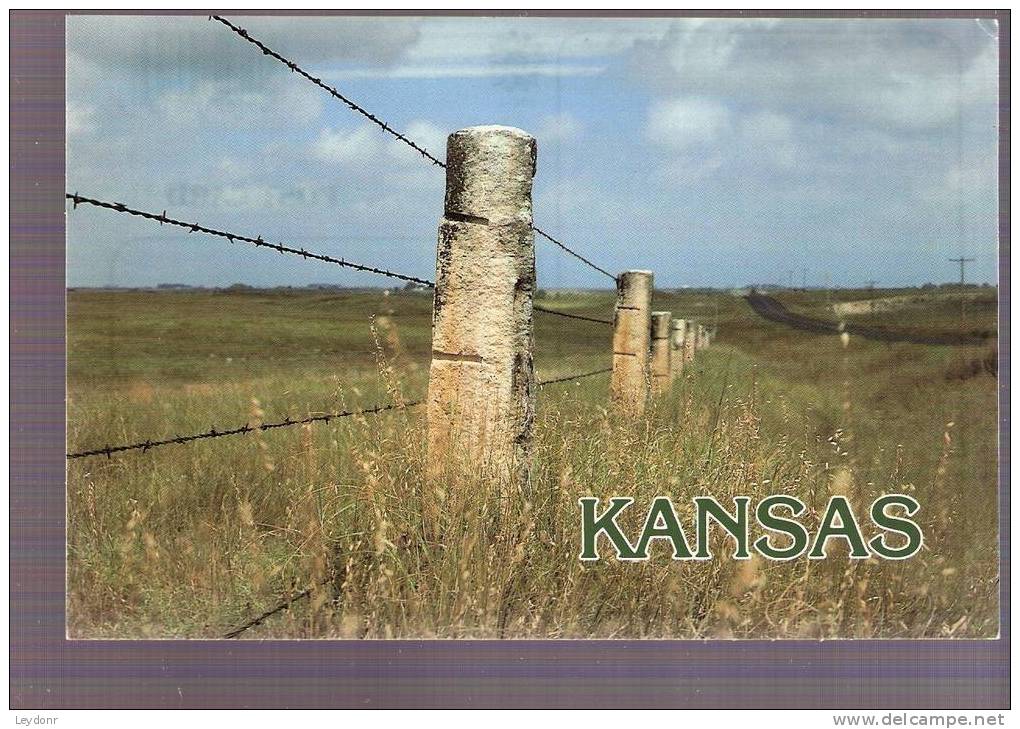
{"x":773,"y":310}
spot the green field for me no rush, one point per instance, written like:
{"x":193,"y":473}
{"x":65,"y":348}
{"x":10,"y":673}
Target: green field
{"x":192,"y":540}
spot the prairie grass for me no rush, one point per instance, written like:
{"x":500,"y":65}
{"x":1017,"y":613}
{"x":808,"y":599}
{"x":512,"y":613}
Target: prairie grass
{"x":190,"y":541}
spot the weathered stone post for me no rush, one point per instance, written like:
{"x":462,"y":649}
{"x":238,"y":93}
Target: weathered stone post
{"x":676,"y":346}
{"x":661,"y":353}
{"x":690,"y":340}
{"x":481,"y":380}
{"x":631,"y":342}
{"x":702,"y":337}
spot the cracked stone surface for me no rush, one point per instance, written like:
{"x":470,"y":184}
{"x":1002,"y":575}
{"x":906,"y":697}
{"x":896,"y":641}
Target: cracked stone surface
{"x":481,"y":380}
{"x":629,"y":382}
{"x":661,"y":353}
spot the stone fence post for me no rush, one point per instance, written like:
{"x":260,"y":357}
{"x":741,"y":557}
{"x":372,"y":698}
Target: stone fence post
{"x":631,"y":342}
{"x":676,"y":345}
{"x":662,"y":371}
{"x":480,"y":407}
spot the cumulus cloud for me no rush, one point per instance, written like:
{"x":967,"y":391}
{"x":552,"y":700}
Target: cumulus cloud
{"x":906,"y":74}
{"x":685,"y":122}
{"x":193,"y":46}
{"x":560,"y":127}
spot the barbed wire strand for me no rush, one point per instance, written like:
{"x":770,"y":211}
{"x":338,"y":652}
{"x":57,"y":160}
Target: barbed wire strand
{"x":246,"y":428}
{"x":280,"y":607}
{"x":386,"y":127}
{"x":574,"y":253}
{"x":258,"y":242}
{"x":352,"y":105}
{"x":307,"y":592}
{"x":567,"y":315}
{"x":213,"y":432}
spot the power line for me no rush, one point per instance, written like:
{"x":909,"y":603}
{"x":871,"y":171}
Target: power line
{"x":386,"y":127}
{"x":232,"y":237}
{"x":962,"y":261}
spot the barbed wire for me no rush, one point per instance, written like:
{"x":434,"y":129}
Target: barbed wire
{"x":571,"y":378}
{"x":386,"y":127}
{"x":258,"y":242}
{"x":352,"y":105}
{"x":280,"y":607}
{"x":567,"y":315}
{"x":574,"y":253}
{"x":246,"y":428}
{"x":286,"y":603}
{"x":213,"y":432}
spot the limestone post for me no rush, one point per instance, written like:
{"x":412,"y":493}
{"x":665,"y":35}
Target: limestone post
{"x":631,"y":342}
{"x":702,"y":337}
{"x":481,"y":381}
{"x":690,"y":340}
{"x":661,"y":353}
{"x":676,"y":345}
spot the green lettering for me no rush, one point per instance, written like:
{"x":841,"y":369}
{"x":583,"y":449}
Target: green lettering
{"x":906,"y":527}
{"x":735,"y":525}
{"x":847,"y":528}
{"x":591,"y":526}
{"x":794,"y":529}
{"x":662,"y":509}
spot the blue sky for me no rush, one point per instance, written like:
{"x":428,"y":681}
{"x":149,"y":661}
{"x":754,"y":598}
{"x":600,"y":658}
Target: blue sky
{"x":714,"y":152}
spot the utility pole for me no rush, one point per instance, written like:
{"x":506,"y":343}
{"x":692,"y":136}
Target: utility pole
{"x":963,"y":299}
{"x":871,"y":293}
{"x":962,"y":261}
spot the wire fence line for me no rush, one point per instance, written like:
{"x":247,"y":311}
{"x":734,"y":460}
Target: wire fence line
{"x":568,"y":315}
{"x":357,"y":108}
{"x":297,"y":597}
{"x":213,"y":432}
{"x":246,"y":428}
{"x":258,"y":242}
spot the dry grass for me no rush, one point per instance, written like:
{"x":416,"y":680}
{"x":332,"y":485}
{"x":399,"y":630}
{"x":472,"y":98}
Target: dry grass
{"x":193,"y":540}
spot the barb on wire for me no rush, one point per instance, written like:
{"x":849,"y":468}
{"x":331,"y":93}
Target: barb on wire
{"x":572,"y":316}
{"x":286,"y":603}
{"x":570,"y":378}
{"x":574,"y":253}
{"x":357,"y":108}
{"x":258,"y":242}
{"x":246,"y":428}
{"x":279,"y":608}
{"x":353,"y":106}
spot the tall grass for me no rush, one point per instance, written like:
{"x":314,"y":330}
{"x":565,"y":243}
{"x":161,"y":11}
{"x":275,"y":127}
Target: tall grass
{"x":193,"y":540}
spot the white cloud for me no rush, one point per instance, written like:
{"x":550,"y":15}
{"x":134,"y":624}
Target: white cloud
{"x":348,"y":146}
{"x":433,"y":71}
{"x":913,"y":75}
{"x":685,"y":122}
{"x":560,"y":127}
{"x":79,"y":119}
{"x":279,"y":104}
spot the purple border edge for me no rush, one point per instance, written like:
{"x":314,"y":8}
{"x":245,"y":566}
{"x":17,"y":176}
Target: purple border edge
{"x":49,"y":672}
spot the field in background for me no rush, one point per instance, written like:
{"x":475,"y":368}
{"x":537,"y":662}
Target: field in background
{"x":193,"y":540}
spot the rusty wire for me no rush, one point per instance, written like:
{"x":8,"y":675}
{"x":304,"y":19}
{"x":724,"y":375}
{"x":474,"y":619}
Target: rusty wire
{"x":357,"y":108}
{"x":258,"y":242}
